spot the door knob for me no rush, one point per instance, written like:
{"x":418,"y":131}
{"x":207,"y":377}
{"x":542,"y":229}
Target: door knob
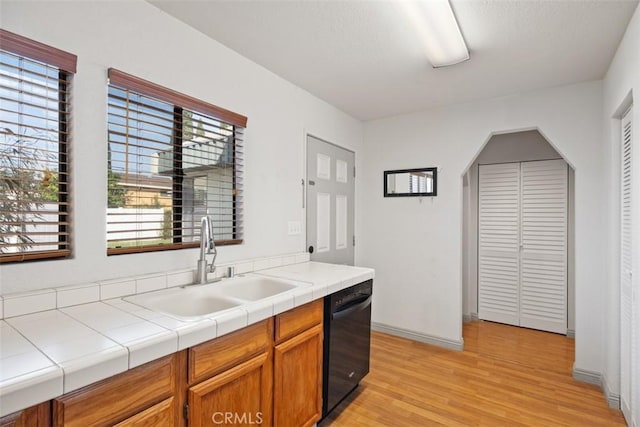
{"x":310,"y":249}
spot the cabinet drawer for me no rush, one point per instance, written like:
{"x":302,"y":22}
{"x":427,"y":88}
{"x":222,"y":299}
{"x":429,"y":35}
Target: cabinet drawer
{"x":159,"y":415}
{"x":299,"y":319}
{"x":113,"y":400}
{"x":215,"y":356}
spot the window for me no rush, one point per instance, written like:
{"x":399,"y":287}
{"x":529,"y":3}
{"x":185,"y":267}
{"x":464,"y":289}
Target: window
{"x":34,"y":145}
{"x":172,"y":160}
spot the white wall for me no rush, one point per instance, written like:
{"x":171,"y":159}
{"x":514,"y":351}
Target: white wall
{"x":620,"y":86}
{"x":138,"y":38}
{"x":416,"y":245}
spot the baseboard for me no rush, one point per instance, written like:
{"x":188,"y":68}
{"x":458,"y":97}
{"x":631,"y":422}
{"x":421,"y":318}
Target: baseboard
{"x":466,"y":318}
{"x":588,"y":377}
{"x":626,"y":409}
{"x":571,"y":333}
{"x":613,"y":400}
{"x":415,"y":336}
{"x":596,"y":378}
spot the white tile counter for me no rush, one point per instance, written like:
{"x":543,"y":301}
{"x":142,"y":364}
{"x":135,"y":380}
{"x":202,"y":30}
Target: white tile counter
{"x":27,"y":374}
{"x":46,"y":354}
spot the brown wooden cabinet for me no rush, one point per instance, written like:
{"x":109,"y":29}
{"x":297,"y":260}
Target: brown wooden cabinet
{"x":162,"y":414}
{"x":128,"y":398}
{"x":269,"y":373}
{"x":230,"y":378}
{"x":238,"y":396}
{"x":297,"y":391}
{"x":34,"y":416}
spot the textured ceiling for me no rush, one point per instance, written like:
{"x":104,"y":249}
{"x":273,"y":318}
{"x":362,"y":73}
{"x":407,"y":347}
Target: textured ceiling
{"x":364,"y":57}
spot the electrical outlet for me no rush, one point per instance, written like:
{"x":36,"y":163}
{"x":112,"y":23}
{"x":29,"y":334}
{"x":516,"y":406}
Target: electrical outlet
{"x":294,"y":228}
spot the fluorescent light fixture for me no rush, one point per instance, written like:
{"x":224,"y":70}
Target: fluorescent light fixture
{"x":438,"y":29}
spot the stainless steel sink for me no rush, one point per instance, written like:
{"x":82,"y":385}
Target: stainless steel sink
{"x":197,"y":301}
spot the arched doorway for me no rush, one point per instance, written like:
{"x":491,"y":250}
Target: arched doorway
{"x":513,"y":150}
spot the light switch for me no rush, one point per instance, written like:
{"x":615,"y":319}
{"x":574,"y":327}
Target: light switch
{"x":294,"y":228}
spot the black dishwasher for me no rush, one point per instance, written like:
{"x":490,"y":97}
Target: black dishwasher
{"x":347,"y":339}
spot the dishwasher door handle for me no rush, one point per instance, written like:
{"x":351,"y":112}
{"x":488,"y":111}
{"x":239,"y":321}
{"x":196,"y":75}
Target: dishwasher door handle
{"x":351,"y":309}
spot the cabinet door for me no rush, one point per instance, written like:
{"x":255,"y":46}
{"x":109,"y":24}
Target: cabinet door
{"x":239,"y":396}
{"x":159,"y":415}
{"x":35,"y":416}
{"x":298,"y":380}
{"x":118,"y":398}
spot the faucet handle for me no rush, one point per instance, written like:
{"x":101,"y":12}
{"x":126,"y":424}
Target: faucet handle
{"x":210,"y":239}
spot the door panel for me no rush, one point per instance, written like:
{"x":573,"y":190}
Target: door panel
{"x":543,"y":272}
{"x":498,"y":252}
{"x":330,"y":202}
{"x":341,"y":221}
{"x":323,"y":223}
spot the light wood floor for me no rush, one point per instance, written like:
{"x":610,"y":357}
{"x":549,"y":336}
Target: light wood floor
{"x":506,"y":376}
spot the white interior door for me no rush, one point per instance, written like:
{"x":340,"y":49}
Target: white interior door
{"x":499,"y":244}
{"x":626,"y":258}
{"x":543,"y":251}
{"x":330,"y":202}
{"x":522,"y":244}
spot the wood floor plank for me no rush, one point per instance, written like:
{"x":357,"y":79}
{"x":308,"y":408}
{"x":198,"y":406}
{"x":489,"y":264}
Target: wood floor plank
{"x":506,"y":376}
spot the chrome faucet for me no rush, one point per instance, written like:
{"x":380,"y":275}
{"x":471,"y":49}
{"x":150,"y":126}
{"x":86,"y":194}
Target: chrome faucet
{"x":207,"y":247}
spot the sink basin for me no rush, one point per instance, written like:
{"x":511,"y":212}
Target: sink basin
{"x":198,"y":301}
{"x":253,"y":288}
{"x":184,"y":303}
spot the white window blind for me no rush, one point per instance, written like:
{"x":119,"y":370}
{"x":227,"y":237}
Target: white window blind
{"x":172,"y":160}
{"x":35,"y":205}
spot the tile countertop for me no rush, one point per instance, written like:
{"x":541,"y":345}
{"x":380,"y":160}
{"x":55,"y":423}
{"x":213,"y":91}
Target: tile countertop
{"x":44,"y":355}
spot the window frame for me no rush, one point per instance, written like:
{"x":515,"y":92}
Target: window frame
{"x":65,"y":63}
{"x":181,"y":102}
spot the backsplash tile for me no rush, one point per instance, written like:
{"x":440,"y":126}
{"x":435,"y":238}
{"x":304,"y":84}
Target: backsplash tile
{"x":29,"y":302}
{"x":114,"y":289}
{"x":179,"y":278}
{"x":264,"y":263}
{"x":304,"y":257}
{"x":75,"y":295}
{"x":1,"y":308}
{"x":287,"y":260}
{"x":151,"y":283}
{"x":261,"y":264}
{"x":244,"y":267}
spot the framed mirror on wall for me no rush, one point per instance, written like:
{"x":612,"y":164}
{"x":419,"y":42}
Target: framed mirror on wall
{"x":421,"y":182}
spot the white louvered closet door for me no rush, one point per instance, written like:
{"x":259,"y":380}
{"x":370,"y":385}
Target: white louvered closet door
{"x":543,"y":272}
{"x":522,"y":251}
{"x":498,"y":238}
{"x":626,"y":295}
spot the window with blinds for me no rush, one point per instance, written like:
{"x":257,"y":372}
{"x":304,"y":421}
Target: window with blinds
{"x":172,"y":159}
{"x":34,"y":144}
